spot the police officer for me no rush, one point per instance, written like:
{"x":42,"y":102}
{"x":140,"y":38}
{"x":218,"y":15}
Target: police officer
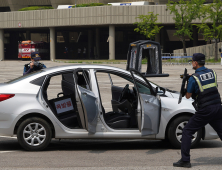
{"x":34,"y":65}
{"x":202,"y":87}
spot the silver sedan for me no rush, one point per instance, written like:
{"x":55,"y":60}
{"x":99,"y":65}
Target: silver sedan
{"x":94,"y":102}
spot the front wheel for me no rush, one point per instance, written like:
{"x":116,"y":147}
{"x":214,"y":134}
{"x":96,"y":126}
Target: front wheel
{"x":34,"y":134}
{"x":175,"y":130}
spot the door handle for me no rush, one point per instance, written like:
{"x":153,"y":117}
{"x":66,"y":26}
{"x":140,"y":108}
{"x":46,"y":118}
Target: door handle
{"x":146,"y":101}
{"x":45,"y":105}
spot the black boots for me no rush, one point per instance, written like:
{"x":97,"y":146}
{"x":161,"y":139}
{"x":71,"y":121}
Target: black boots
{"x":181,"y":163}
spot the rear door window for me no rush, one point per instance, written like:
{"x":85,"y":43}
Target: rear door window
{"x":24,"y":77}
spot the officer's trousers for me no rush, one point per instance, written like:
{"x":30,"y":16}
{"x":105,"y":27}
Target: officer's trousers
{"x":210,"y":114}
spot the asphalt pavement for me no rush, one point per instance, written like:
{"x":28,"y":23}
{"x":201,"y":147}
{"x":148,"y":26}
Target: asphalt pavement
{"x":107,"y":154}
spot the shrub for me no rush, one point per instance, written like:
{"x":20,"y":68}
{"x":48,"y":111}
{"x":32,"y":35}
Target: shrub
{"x":90,"y":5}
{"x":31,"y":8}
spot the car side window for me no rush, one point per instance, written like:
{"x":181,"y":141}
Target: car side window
{"x":83,"y":79}
{"x":142,"y":88}
{"x":119,"y":80}
{"x":54,"y":87}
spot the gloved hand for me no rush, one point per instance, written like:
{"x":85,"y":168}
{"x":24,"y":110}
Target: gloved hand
{"x":188,"y":76}
{"x":184,"y":92}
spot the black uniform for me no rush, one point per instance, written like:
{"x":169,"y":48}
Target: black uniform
{"x":28,"y":70}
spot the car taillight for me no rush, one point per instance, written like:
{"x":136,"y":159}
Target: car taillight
{"x":5,"y":96}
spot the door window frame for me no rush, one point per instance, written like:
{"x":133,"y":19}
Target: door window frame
{"x":87,"y":79}
{"x":118,"y":73}
{"x":47,"y":77}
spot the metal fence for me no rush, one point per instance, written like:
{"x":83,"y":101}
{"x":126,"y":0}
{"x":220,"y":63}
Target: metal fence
{"x":176,"y":59}
{"x":181,"y":59}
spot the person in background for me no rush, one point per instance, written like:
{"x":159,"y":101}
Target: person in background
{"x":79,"y":53}
{"x":84,"y":52}
{"x":34,"y":65}
{"x":66,"y":52}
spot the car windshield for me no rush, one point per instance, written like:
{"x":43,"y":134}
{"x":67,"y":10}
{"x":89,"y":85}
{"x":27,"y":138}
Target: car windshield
{"x":156,"y":85}
{"x":24,"y":77}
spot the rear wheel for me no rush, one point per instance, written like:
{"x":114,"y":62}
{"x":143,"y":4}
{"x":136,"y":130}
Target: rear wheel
{"x":34,"y":134}
{"x":175,"y":132}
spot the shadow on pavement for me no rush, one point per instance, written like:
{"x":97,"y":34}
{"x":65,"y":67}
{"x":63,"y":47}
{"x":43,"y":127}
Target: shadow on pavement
{"x":9,"y":145}
{"x":101,"y":146}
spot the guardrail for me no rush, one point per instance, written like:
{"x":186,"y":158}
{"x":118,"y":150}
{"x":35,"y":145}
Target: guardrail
{"x":176,"y":59}
{"x":179,"y":59}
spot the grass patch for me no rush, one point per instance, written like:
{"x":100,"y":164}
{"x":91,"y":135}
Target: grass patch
{"x":186,"y":60}
{"x":213,"y":60}
{"x":94,"y":61}
{"x":144,"y":61}
{"x":90,"y":5}
{"x":31,"y":8}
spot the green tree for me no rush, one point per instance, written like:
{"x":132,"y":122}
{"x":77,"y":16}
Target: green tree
{"x":212,"y":30}
{"x":148,"y":25}
{"x":184,"y":13}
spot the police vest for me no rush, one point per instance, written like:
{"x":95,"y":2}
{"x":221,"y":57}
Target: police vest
{"x":208,"y":93}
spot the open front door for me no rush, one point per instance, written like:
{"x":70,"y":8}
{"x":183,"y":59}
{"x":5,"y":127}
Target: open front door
{"x":87,"y":102}
{"x":149,"y":105}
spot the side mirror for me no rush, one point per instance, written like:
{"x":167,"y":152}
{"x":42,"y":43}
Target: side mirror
{"x":160,"y":91}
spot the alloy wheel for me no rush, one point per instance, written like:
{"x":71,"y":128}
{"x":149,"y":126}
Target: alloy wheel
{"x":34,"y":134}
{"x":179,"y":131}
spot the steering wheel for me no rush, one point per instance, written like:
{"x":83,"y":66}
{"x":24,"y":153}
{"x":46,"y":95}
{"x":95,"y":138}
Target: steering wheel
{"x":124,"y":92}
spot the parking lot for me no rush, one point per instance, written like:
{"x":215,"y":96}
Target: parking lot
{"x":107,"y":154}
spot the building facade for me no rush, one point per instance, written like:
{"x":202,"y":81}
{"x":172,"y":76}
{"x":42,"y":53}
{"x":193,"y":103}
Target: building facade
{"x":86,"y":33}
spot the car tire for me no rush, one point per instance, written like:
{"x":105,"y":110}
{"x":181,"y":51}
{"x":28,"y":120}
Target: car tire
{"x":34,"y":134}
{"x":175,"y":137}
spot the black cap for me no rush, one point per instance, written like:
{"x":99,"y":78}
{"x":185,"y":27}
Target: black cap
{"x":35,"y":56}
{"x":198,"y":57}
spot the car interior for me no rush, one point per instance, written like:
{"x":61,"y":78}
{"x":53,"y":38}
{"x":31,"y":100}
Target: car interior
{"x":62,"y":94}
{"x":124,"y":104}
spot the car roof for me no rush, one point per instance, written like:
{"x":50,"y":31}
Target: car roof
{"x":75,"y":66}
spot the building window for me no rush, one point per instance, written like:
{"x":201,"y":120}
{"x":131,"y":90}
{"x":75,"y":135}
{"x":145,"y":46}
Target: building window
{"x":73,"y":37}
{"x":60,"y":37}
{"x":40,"y":37}
{"x":5,"y":9}
{"x":6,"y":38}
{"x":119,"y":36}
{"x":173,"y":37}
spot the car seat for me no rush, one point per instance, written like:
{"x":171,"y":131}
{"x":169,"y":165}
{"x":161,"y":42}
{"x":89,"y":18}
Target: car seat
{"x":116,"y":120}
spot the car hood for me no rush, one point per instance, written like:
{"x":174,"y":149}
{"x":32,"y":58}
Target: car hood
{"x":177,"y":95}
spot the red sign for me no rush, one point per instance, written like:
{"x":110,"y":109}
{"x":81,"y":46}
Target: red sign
{"x":64,"y":105}
{"x":19,"y":24}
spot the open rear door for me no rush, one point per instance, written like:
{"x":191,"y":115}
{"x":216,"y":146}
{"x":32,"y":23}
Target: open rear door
{"x":149,"y":105}
{"x":87,"y":102}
